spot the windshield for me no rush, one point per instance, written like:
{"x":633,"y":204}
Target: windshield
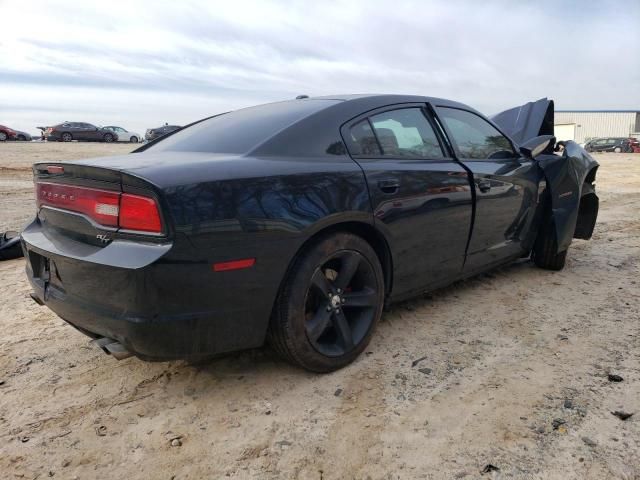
{"x":242,"y":130}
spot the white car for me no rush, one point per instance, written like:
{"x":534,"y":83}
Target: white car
{"x":125,"y":135}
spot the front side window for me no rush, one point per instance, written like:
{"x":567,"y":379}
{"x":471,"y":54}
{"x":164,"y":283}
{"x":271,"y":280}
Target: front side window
{"x":476,"y":138}
{"x":406,"y":133}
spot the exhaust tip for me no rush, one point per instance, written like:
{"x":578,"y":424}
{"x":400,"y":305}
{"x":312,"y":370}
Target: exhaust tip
{"x":113,"y":348}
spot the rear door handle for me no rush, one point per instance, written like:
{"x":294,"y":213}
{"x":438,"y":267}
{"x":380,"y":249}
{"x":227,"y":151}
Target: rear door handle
{"x":389,"y":186}
{"x":484,"y":186}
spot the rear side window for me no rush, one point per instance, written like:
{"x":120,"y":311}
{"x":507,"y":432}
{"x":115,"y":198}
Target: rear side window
{"x":402,"y":133}
{"x":476,"y":138}
{"x":363,"y":140}
{"x":406,"y":133}
{"x":242,"y":130}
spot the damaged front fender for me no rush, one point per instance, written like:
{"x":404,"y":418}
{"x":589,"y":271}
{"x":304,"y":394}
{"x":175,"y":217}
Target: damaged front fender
{"x":570,"y":176}
{"x":574,"y":203}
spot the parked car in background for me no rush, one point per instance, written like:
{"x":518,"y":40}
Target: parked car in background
{"x":125,"y":135}
{"x":22,"y":136}
{"x":610,"y":144}
{"x":80,"y":131}
{"x":634,"y":144}
{"x":153,"y":133}
{"x":7,"y":133}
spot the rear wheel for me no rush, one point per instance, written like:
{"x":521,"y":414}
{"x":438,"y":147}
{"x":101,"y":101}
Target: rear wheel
{"x":108,"y":138}
{"x":617,"y":150}
{"x":329,"y":304}
{"x":22,"y":138}
{"x":67,"y":137}
{"x":545,"y":253}
{"x":133,"y":139}
{"x":3,"y":137}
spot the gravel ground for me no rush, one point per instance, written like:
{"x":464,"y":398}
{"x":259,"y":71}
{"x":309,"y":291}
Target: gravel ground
{"x":513,"y":373}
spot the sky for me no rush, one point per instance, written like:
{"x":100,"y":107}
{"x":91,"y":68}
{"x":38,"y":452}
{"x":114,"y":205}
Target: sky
{"x":140,"y":64}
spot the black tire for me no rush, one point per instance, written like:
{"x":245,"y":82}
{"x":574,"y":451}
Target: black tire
{"x":545,"y":253}
{"x":3,"y":137}
{"x":108,"y":138}
{"x":22,"y":138}
{"x":133,"y":139}
{"x":66,"y":137}
{"x":617,"y":150}
{"x":324,"y":332}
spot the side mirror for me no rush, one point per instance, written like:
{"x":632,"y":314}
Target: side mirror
{"x":535,"y":146}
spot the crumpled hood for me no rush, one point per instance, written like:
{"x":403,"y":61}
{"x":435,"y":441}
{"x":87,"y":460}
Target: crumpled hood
{"x":527,"y":121}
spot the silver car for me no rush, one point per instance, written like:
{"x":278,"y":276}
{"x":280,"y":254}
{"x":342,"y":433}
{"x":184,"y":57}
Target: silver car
{"x":125,"y":135}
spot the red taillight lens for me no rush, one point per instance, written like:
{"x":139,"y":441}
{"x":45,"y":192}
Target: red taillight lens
{"x":139,"y":213}
{"x":100,"y":205}
{"x":111,"y":209}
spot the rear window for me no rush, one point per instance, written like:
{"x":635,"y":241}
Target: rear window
{"x":242,"y":130}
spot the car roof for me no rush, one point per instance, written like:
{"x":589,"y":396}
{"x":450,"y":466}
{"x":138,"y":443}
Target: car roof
{"x":312,"y":128}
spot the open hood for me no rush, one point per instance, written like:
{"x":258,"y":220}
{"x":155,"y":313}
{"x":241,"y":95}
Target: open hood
{"x":527,"y":121}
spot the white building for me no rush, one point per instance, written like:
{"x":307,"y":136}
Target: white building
{"x":582,"y":125}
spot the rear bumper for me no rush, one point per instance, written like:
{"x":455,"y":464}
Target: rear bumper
{"x":156,"y":306}
{"x":187,"y":336}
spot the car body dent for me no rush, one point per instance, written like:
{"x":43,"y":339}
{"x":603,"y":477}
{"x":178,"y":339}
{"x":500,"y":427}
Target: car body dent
{"x":565,"y":174}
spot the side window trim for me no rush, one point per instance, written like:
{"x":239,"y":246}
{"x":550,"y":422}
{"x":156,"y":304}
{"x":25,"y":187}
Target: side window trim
{"x":346,"y":128}
{"x":452,"y":139}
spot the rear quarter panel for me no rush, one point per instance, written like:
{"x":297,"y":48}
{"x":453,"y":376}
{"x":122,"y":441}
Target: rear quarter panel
{"x":260,"y":214}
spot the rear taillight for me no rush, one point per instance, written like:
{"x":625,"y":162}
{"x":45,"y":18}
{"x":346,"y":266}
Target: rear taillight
{"x":139,"y":213}
{"x":108,"y":208}
{"x":100,"y":205}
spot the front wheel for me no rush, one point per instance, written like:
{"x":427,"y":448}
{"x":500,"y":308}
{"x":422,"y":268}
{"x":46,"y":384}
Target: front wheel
{"x":617,"y":150}
{"x":329,"y":304}
{"x":545,"y":254}
{"x":3,"y":137}
{"x":133,"y":139}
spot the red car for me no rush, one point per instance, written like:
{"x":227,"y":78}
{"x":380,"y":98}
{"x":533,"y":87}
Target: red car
{"x":634,"y":144}
{"x":7,"y":133}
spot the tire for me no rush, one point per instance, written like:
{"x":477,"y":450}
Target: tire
{"x":108,"y":138}
{"x":329,"y":304}
{"x":545,"y":249}
{"x":3,"y":137}
{"x":22,"y":138}
{"x":66,"y":137}
{"x":133,"y":139}
{"x":617,"y":150}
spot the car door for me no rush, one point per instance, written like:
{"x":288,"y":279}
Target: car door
{"x":121,"y":133}
{"x":602,"y":145}
{"x":505,"y":188}
{"x":420,"y":195}
{"x":82,"y":131}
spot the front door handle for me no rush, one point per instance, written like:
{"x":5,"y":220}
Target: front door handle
{"x":484,"y":186}
{"x":389,"y":186}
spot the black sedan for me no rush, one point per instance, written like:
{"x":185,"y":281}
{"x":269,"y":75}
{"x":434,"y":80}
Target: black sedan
{"x":617,"y":145}
{"x":153,"y":133}
{"x":79,"y":131}
{"x":295,"y":222}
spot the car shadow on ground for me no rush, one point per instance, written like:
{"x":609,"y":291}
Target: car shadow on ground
{"x":265,"y":360}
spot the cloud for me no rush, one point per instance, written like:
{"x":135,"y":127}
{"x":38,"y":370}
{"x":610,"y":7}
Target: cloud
{"x":141,"y":64}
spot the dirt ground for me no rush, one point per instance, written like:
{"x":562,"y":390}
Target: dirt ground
{"x":513,"y":373}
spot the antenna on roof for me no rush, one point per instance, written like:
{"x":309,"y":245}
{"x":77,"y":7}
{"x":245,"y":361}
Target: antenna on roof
{"x":302,"y":97}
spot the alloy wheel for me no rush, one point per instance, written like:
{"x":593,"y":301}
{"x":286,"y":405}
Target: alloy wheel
{"x":341,"y":303}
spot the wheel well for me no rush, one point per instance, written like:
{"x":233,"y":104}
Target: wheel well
{"x":368,"y":233}
{"x":587,"y":215}
{"x":591,"y":176}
